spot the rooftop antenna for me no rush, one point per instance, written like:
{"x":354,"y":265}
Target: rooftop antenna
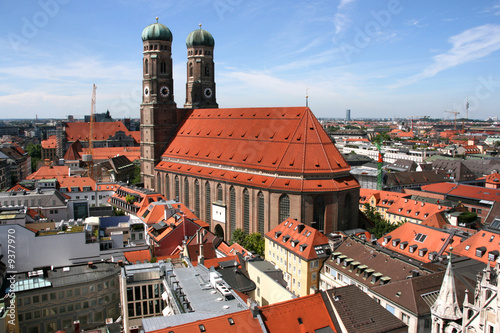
{"x":307,"y":97}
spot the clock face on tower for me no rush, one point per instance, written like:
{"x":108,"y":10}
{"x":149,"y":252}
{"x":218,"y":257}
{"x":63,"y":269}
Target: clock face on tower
{"x":208,"y":92}
{"x":146,"y":91}
{"x":164,"y":91}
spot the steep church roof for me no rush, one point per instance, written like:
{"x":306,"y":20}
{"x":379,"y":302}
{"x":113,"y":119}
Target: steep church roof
{"x":446,"y":305}
{"x":263,"y":143}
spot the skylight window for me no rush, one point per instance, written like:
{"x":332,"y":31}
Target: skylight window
{"x":420,"y":237}
{"x":286,"y":223}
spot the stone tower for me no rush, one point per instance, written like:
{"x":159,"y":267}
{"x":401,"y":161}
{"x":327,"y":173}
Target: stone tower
{"x":200,"y":84}
{"x":158,"y":109}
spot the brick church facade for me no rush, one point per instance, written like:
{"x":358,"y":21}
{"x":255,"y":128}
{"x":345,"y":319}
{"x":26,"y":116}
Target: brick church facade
{"x":248,"y":168}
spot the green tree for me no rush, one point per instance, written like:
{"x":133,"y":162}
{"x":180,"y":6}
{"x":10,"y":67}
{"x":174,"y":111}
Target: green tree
{"x":136,"y":178}
{"x":239,"y":237}
{"x":255,"y":243}
{"x":35,"y":151}
{"x":382,"y":226}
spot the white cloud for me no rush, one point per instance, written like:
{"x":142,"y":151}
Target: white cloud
{"x":341,"y":19}
{"x":469,"y":45}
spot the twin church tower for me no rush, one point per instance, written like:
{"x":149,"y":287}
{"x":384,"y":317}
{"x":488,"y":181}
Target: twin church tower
{"x":160,"y":116}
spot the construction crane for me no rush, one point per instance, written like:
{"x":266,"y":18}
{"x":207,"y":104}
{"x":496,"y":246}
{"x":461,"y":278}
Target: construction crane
{"x":455,"y":112}
{"x":380,"y":162}
{"x":88,"y":158}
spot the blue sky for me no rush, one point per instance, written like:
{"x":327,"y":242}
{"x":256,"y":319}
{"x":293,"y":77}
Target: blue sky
{"x":378,"y":58}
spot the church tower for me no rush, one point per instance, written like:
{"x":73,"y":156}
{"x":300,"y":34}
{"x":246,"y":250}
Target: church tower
{"x":200,"y":84}
{"x":158,"y":109}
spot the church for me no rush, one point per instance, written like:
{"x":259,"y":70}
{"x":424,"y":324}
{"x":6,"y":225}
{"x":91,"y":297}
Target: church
{"x":247,"y":168}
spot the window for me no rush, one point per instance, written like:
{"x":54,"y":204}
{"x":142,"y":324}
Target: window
{"x":219,"y":192}
{"x":208,"y":203}
{"x":207,"y":70}
{"x":197,"y":197}
{"x":232,"y":208}
{"x":176,"y":179}
{"x":186,"y":191}
{"x":246,"y":211}
{"x":284,"y":208}
{"x":313,"y":276}
{"x":405,"y":318}
{"x":260,"y":212}
{"x":390,"y":308}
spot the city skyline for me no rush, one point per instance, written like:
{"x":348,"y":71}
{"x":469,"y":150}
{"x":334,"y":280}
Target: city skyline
{"x":380,"y":60}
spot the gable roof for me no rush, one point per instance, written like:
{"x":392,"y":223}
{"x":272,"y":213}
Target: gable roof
{"x":105,"y":153}
{"x":45,"y":172}
{"x":302,"y":314}
{"x":418,"y":237}
{"x":359,"y":313}
{"x":414,"y":209}
{"x":383,"y":199}
{"x":464,"y":191}
{"x":303,"y":240}
{"x":242,"y":321}
{"x":50,"y":142}
{"x":101,"y":131}
{"x":481,"y":246}
{"x":73,"y":152}
{"x":256,"y":153}
{"x":360,"y":256}
{"x":265,"y":139}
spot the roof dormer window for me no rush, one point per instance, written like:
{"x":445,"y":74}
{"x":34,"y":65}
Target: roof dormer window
{"x":277,"y":234}
{"x":480,"y":251}
{"x":403,"y":245}
{"x":395,"y":242}
{"x":413,"y":248}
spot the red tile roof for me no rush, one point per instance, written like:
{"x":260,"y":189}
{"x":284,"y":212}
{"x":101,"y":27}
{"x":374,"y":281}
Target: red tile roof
{"x":464,"y":191}
{"x":47,"y":172}
{"x":102,"y":130}
{"x":480,"y":246}
{"x":242,"y":321}
{"x":137,"y":256}
{"x":261,"y":180}
{"x":414,"y":209}
{"x":418,"y":237}
{"x":18,"y":187}
{"x":265,"y":139}
{"x":73,"y":152}
{"x":383,"y":199}
{"x":72,"y":182}
{"x":302,"y":314}
{"x":50,"y":143}
{"x":132,"y":153}
{"x":297,"y":238}
{"x":493,"y":178}
{"x":215,"y":261}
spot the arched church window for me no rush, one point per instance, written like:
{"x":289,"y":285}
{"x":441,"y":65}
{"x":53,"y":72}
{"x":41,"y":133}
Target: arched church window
{"x":208,"y":203}
{"x":163,"y":67}
{"x":167,"y":186}
{"x":190,"y":69}
{"x":284,"y":208}
{"x":260,"y":212}
{"x":219,"y":192}
{"x":177,"y":188}
{"x":232,"y":208}
{"x":319,"y":212}
{"x":246,"y":211}
{"x":197,"y":197}
{"x":146,"y":66}
{"x":186,"y":191}
{"x":207,"y":70}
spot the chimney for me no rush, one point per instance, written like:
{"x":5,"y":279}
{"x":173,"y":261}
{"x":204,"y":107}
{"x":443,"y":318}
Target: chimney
{"x":76,"y":324}
{"x":255,"y":309}
{"x":184,"y":226}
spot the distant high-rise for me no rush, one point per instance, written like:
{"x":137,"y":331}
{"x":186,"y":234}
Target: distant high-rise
{"x":348,"y":115}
